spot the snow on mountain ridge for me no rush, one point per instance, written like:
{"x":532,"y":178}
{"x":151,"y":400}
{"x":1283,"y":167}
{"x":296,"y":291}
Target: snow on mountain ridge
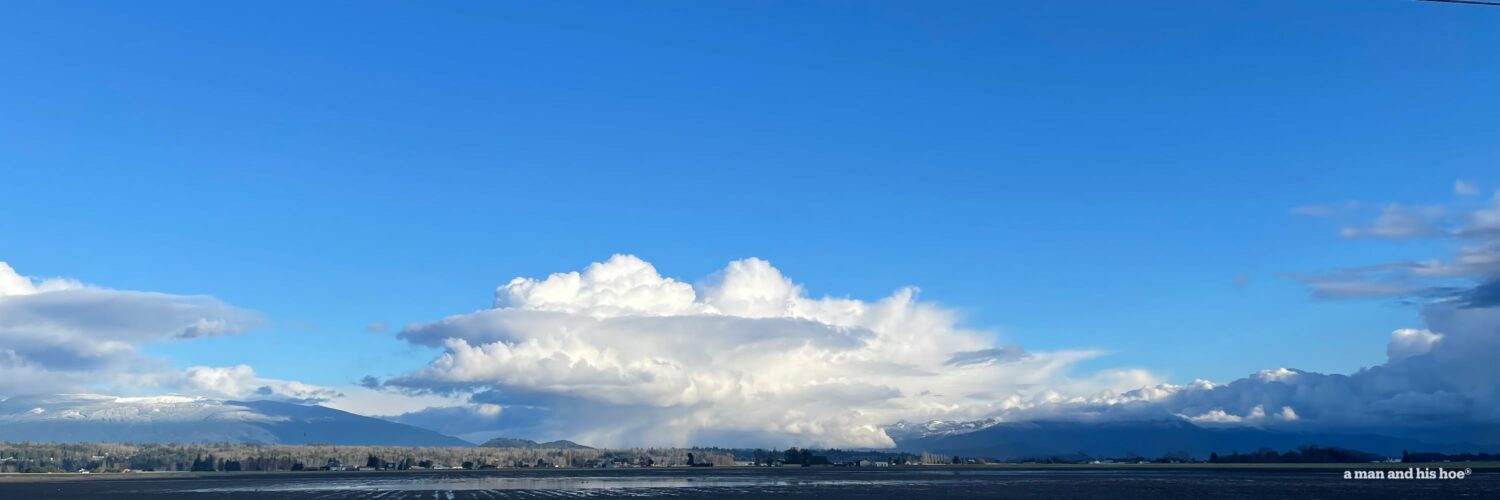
{"x":102,"y":408}
{"x":909,"y":430}
{"x":187,"y":419}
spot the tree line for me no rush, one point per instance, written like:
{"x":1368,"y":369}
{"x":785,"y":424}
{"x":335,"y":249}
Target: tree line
{"x":116,"y":457}
{"x":1305,"y":454}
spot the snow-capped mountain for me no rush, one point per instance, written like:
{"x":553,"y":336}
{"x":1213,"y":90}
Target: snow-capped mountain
{"x":903,"y":430}
{"x":184,"y":419}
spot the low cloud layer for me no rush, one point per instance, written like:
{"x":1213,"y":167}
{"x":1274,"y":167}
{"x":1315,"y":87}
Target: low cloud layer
{"x":1430,"y":382}
{"x":1437,"y":377}
{"x":62,"y":335}
{"x":240,"y":382}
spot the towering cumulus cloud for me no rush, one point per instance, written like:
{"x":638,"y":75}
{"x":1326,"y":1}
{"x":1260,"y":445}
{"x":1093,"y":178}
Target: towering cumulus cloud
{"x":619,"y":355}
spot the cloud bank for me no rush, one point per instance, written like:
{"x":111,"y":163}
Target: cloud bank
{"x":1431,"y":381}
{"x":62,"y":335}
{"x":1438,"y":377}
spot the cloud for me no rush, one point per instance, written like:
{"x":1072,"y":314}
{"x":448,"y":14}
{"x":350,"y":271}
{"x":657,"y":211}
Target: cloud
{"x":1399,"y":222}
{"x":1486,"y":294}
{"x":1343,"y":287}
{"x":60,"y":334}
{"x":239,"y":382}
{"x":1485,"y":222}
{"x":208,"y":328}
{"x":378,"y":401}
{"x":618,"y":355}
{"x":1408,"y":342}
{"x":473,"y":422}
{"x":1464,"y":277}
{"x":1437,"y":377}
{"x":1440,"y":377}
{"x":377,"y":328}
{"x":1002,"y":354}
{"x":1314,"y":210}
{"x":14,"y":284}
{"x":1465,"y":188}
{"x":1434,"y":381}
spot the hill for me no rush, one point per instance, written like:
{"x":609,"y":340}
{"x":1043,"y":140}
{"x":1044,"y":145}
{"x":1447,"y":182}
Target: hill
{"x":505,"y":442}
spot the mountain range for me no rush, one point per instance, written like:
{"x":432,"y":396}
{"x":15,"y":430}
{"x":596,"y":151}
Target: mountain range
{"x":183,"y":419}
{"x":1154,"y":438}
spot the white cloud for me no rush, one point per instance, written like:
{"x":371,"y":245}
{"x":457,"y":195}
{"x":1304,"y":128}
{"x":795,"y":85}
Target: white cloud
{"x":375,"y":401}
{"x":13,"y":283}
{"x":619,"y":355}
{"x":240,"y":382}
{"x":1471,"y":275}
{"x":61,"y":335}
{"x":1399,"y":222}
{"x":1314,"y":210}
{"x":624,"y":285}
{"x":1408,"y":342}
{"x":1257,"y":416}
{"x":1465,"y":188}
{"x":1487,"y":219}
{"x":1432,"y":380}
{"x":1216,"y":417}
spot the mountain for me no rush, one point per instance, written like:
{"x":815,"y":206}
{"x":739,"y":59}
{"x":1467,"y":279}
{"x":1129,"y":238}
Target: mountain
{"x":904,"y":430}
{"x":183,"y":419}
{"x":505,"y":442}
{"x":1143,"y":438}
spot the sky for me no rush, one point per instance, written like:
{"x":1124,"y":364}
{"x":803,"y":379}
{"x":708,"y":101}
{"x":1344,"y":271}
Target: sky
{"x":1114,"y":195}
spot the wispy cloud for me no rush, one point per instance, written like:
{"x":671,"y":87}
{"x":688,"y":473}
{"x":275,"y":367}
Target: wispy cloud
{"x":1465,"y":188}
{"x":1464,"y":276}
{"x":1399,"y":222}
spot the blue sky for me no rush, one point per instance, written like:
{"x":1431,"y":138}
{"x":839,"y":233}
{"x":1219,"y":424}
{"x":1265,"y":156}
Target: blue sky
{"x":1067,"y":174}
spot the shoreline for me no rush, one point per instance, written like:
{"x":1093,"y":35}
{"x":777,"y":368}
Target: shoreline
{"x":23,"y":477}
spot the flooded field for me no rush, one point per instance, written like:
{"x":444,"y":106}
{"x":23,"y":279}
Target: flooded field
{"x":748,"y":483}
